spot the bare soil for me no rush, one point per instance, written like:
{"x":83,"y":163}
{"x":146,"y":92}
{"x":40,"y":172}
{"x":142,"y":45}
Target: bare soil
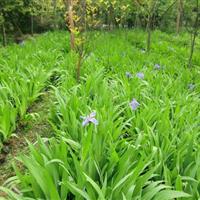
{"x":17,"y":145}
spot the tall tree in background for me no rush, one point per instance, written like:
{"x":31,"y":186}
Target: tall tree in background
{"x":148,"y":8}
{"x":4,"y":35}
{"x":81,"y":9}
{"x":111,"y":14}
{"x":81,"y":15}
{"x":32,"y":9}
{"x":194,"y":32}
{"x":4,"y":39}
{"x":165,"y":10}
{"x":84,"y":14}
{"x":70,"y":23}
{"x":179,"y":15}
{"x":8,"y":12}
{"x":54,"y":5}
{"x":42,"y":15}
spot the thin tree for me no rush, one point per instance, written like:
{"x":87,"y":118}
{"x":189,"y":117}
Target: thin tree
{"x":194,"y":34}
{"x":168,"y":9}
{"x":82,"y":26}
{"x":149,"y":23}
{"x":179,"y":16}
{"x":32,"y":25}
{"x":110,"y":16}
{"x":149,"y":8}
{"x":70,"y":23}
{"x":54,"y":4}
{"x":4,"y":35}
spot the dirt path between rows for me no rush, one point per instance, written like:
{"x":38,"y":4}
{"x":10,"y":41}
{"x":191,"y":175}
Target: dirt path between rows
{"x":17,"y":145}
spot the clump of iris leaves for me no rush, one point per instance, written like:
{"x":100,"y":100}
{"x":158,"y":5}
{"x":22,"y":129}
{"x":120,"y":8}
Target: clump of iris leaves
{"x":129,"y":130}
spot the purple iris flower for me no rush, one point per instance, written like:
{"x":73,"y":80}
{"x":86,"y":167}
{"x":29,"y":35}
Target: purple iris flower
{"x":191,"y":86}
{"x":129,"y":75}
{"x":134,"y":104}
{"x":140,"y":75}
{"x":157,"y":66}
{"x":89,"y":119}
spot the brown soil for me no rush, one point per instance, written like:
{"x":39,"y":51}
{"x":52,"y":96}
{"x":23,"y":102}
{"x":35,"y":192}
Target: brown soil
{"x":17,"y":145}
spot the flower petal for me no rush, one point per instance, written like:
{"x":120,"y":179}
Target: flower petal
{"x":140,"y":75}
{"x":134,"y":104}
{"x":85,"y":122}
{"x":94,"y":121}
{"x":93,"y":114}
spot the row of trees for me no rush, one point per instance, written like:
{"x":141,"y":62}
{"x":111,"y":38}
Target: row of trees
{"x":38,"y":15}
{"x":145,"y":13}
{"x":29,"y":16}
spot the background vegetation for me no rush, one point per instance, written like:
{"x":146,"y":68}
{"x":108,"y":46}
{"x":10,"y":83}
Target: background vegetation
{"x":33,"y":16}
{"x":124,"y":98}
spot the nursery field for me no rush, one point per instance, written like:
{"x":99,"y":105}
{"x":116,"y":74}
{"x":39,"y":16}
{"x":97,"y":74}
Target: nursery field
{"x":129,"y":130}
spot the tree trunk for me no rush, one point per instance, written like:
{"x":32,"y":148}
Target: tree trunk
{"x":149,"y":33}
{"x":79,"y":64}
{"x":192,"y":49}
{"x":179,"y":16}
{"x":4,"y":35}
{"x":111,"y":17}
{"x":138,"y":23}
{"x":32,"y":26}
{"x":83,"y":15}
{"x":54,"y":4}
{"x":71,"y":23}
{"x":166,"y":11}
{"x":195,"y":33}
